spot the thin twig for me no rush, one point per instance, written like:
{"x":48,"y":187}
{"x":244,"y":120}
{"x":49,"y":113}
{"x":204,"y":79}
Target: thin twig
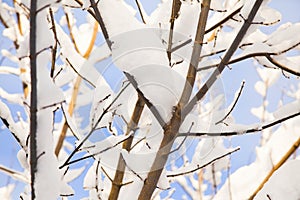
{"x":251,"y":55}
{"x":281,"y":66}
{"x":234,"y":104}
{"x":137,"y":175}
{"x":71,"y":32}
{"x":81,"y":76}
{"x":233,"y":47}
{"x":228,"y":17}
{"x":140,"y":11}
{"x":152,"y":108}
{"x":105,"y":111}
{"x":182,"y":142}
{"x":202,"y":166}
{"x":174,"y":15}
{"x":241,"y":132}
{"x":95,"y":154}
{"x":54,"y":48}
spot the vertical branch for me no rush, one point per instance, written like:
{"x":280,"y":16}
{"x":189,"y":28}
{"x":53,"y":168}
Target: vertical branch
{"x":191,"y":75}
{"x":171,"y":129}
{"x":117,"y":182}
{"x":33,"y":97}
{"x":174,"y":15}
{"x":235,"y":44}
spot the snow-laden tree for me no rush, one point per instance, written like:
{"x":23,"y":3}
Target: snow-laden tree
{"x":144,"y":98}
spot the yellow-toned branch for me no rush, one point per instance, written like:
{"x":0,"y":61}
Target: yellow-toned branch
{"x":292,"y":149}
{"x":94,"y":36}
{"x":76,"y":88}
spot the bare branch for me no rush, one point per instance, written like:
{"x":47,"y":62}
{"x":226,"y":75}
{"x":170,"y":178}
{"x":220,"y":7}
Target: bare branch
{"x":174,"y":15}
{"x":228,"y":17}
{"x":182,"y":142}
{"x":234,"y":104}
{"x":140,"y":10}
{"x":285,"y":157}
{"x":251,"y":130}
{"x":99,"y":19}
{"x":81,"y":76}
{"x":211,"y":80}
{"x":105,"y":111}
{"x":197,"y":48}
{"x":94,"y":154}
{"x":171,"y":129}
{"x":151,"y":107}
{"x":202,"y":166}
{"x":14,"y":174}
{"x":33,"y":96}
{"x":281,"y":66}
{"x":131,"y":127}
{"x":251,"y":55}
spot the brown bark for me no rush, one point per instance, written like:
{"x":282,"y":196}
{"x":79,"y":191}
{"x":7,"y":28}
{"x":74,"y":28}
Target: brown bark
{"x":117,"y":181}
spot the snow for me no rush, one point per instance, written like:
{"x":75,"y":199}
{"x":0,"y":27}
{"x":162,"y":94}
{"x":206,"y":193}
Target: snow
{"x":140,"y":50}
{"x":103,"y":96}
{"x":284,"y":183}
{"x":206,"y":150}
{"x":9,"y":70}
{"x":287,"y":110}
{"x":10,"y":33}
{"x":267,"y":156}
{"x":123,"y":19}
{"x":163,"y":81}
{"x":6,"y":192}
{"x":88,"y":69}
{"x":16,"y":128}
{"x":261,"y":88}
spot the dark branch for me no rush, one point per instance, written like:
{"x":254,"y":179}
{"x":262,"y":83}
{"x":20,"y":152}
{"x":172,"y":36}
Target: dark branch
{"x":33,"y":96}
{"x":151,"y":107}
{"x":140,"y":11}
{"x":251,"y":130}
{"x":106,"y":110}
{"x":234,"y":104}
{"x":202,"y":166}
{"x":75,"y":70}
{"x":228,"y":17}
{"x":99,"y":19}
{"x":235,"y":44}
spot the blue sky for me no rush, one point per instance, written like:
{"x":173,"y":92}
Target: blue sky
{"x":289,"y":10}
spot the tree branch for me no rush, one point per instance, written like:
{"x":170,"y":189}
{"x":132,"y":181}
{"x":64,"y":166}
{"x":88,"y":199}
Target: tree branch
{"x":151,"y":107}
{"x":117,"y":182}
{"x":99,"y":19}
{"x":191,"y":74}
{"x":234,"y":104}
{"x":140,"y":11}
{"x":292,"y":149}
{"x":33,"y":96}
{"x":241,"y":132}
{"x":93,"y":128}
{"x":174,"y":15}
{"x":211,"y":80}
{"x":171,"y":129}
{"x":202,"y":166}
